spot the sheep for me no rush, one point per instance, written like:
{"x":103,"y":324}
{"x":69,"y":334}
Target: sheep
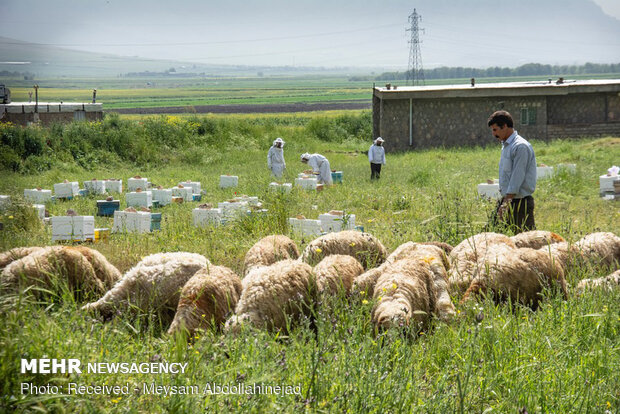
{"x":366,"y":281}
{"x":465,"y":257}
{"x":536,"y":239}
{"x":106,"y":272}
{"x":269,"y":250}
{"x":154,"y":284}
{"x":600,"y":247}
{"x":336,"y":273}
{"x":520,"y":276}
{"x":606,"y":282}
{"x":50,"y":268}
{"x":283,"y":290}
{"x":409,"y":292}
{"x":206,"y":300}
{"x":365,"y":247}
{"x":15,"y":254}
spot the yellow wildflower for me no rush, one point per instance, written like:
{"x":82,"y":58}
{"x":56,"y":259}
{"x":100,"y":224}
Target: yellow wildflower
{"x":318,"y":250}
{"x":364,"y":302}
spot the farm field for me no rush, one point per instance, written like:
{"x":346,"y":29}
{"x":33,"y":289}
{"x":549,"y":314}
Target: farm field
{"x":564,"y":357}
{"x":186,"y":93}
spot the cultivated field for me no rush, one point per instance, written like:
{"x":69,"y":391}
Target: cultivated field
{"x":564,"y":357}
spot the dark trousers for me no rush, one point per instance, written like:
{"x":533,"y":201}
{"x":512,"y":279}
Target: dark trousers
{"x":375,"y":171}
{"x":520,"y":215}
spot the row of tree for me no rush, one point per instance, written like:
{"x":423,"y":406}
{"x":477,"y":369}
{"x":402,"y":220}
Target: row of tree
{"x":529,"y":69}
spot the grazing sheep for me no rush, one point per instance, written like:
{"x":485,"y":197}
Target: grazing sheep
{"x":520,"y":276}
{"x":53,"y":268}
{"x":15,"y":254}
{"x":336,"y":273}
{"x":409,"y":292}
{"x":562,"y":253}
{"x":443,"y":246}
{"x":365,"y":247}
{"x":206,"y":299}
{"x":366,"y":281}
{"x":278,"y":292}
{"x":608,"y":282}
{"x":466,"y":257}
{"x":536,"y":239}
{"x":600,"y":247}
{"x":269,"y":250}
{"x":153,"y":284}
{"x":106,"y":272}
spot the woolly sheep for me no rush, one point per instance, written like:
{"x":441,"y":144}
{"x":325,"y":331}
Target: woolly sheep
{"x":409,"y":292}
{"x":269,"y":250}
{"x":106,"y":272}
{"x":15,"y":254}
{"x":206,"y":299}
{"x":607,"y":282}
{"x":521,"y":276}
{"x":152,"y":284}
{"x":600,"y":247}
{"x":536,"y":239}
{"x":336,"y":273}
{"x":50,"y":268}
{"x":365,"y":247}
{"x":466,"y":257}
{"x":366,"y":281}
{"x":280,"y":291}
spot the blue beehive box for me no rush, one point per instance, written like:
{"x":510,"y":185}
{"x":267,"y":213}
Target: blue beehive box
{"x":197,"y":197}
{"x":337,"y":176}
{"x":155,"y":204}
{"x":83,"y":192}
{"x":107,"y":208}
{"x":155,"y":221}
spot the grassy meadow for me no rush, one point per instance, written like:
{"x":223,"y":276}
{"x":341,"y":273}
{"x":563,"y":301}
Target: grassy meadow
{"x":564,"y":357}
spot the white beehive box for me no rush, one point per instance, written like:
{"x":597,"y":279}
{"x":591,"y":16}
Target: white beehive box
{"x":569,"y":168}
{"x":207,"y":216}
{"x":38,"y":196}
{"x":164,"y":196}
{"x":489,"y":190}
{"x":252,"y":201}
{"x":195,"y":185}
{"x":79,"y":228}
{"x":5,"y":200}
{"x":134,"y":183}
{"x":132,"y":221}
{"x":139,"y":199}
{"x":114,"y":186}
{"x":305,"y":226}
{"x":230,"y":210}
{"x":336,"y":222}
{"x":95,"y":186}
{"x":606,"y":182}
{"x":544,"y":172}
{"x":285,"y":187}
{"x":306,"y":183}
{"x":65,"y":190}
{"x":40,"y":208}
{"x":187,"y":193}
{"x":228,"y":181}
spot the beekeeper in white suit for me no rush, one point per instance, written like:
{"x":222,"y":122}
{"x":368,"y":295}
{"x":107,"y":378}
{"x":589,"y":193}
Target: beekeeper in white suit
{"x":320,"y":165}
{"x":275,"y":158}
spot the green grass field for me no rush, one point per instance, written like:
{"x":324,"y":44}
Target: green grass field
{"x":562,"y":358}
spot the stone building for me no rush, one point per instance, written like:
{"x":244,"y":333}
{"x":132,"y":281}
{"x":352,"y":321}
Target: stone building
{"x":412,"y":117}
{"x":46,"y":113}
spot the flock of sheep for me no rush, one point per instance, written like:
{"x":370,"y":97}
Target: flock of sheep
{"x":408,"y":287}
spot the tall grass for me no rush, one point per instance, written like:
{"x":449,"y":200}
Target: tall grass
{"x":493,"y":358}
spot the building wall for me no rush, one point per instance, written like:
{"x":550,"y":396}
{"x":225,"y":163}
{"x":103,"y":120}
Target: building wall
{"x":454,"y":122}
{"x":47,"y":118}
{"x":450,"y":122}
{"x":586,"y":108}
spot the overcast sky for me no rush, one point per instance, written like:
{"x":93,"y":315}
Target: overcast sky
{"x":332,"y":33}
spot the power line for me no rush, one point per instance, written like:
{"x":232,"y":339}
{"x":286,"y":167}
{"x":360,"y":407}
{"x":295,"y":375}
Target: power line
{"x":415,"y":72}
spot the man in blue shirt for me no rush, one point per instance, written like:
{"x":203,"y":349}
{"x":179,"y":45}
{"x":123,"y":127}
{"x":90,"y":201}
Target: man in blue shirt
{"x":517,"y":174}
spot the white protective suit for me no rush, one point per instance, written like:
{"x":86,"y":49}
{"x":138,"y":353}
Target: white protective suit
{"x":275,"y":160}
{"x":320,"y":164}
